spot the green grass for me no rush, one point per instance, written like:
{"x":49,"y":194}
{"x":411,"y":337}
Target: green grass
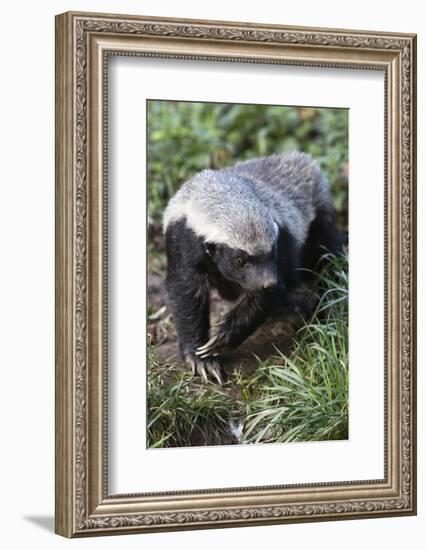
{"x":300,"y":397}
{"x":182,"y":411}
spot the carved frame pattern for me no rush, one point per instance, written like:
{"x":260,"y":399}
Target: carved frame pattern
{"x":83,"y":506}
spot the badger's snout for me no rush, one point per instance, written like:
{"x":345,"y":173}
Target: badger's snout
{"x":265,"y":279}
{"x":269,"y":283}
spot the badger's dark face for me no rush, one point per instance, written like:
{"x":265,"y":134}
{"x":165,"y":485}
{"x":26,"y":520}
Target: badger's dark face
{"x":252,"y":273}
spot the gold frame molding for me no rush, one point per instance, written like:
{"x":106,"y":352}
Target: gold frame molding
{"x":83,"y":43}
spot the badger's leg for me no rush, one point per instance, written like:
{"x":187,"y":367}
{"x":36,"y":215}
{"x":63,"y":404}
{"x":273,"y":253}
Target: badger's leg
{"x":238,"y":324}
{"x":189,"y":300}
{"x":188,"y":290}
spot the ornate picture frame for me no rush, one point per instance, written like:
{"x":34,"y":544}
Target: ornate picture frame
{"x":84,"y":42}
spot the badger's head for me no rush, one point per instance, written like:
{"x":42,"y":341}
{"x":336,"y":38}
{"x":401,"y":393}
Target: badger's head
{"x":252,"y":272}
{"x":238,"y":231}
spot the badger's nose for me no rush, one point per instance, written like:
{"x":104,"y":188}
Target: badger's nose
{"x":269,"y":284}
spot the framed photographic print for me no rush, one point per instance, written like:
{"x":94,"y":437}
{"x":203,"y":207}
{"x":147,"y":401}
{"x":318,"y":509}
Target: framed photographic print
{"x":235,"y":274}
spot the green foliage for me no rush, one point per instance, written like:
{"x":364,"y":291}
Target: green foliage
{"x":186,"y":137}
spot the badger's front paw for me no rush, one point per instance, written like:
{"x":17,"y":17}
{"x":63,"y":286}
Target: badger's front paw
{"x":204,"y":367}
{"x":219,"y":340}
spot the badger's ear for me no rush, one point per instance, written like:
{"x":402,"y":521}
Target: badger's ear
{"x":210,"y":249}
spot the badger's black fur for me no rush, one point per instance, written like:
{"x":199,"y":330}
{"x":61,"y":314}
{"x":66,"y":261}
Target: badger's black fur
{"x":246,"y":231}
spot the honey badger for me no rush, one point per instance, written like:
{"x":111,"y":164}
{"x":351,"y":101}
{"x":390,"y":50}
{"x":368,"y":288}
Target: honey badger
{"x":247,"y":231}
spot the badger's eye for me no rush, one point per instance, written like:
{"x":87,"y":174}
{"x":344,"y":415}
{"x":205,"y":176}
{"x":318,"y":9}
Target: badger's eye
{"x":241,"y":261}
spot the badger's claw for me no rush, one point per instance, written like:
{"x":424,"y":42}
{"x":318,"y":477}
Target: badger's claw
{"x":192,"y":364}
{"x":200,"y":366}
{"x":214,"y":370}
{"x":209,"y":344}
{"x":201,"y":370}
{"x":217,"y":342}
